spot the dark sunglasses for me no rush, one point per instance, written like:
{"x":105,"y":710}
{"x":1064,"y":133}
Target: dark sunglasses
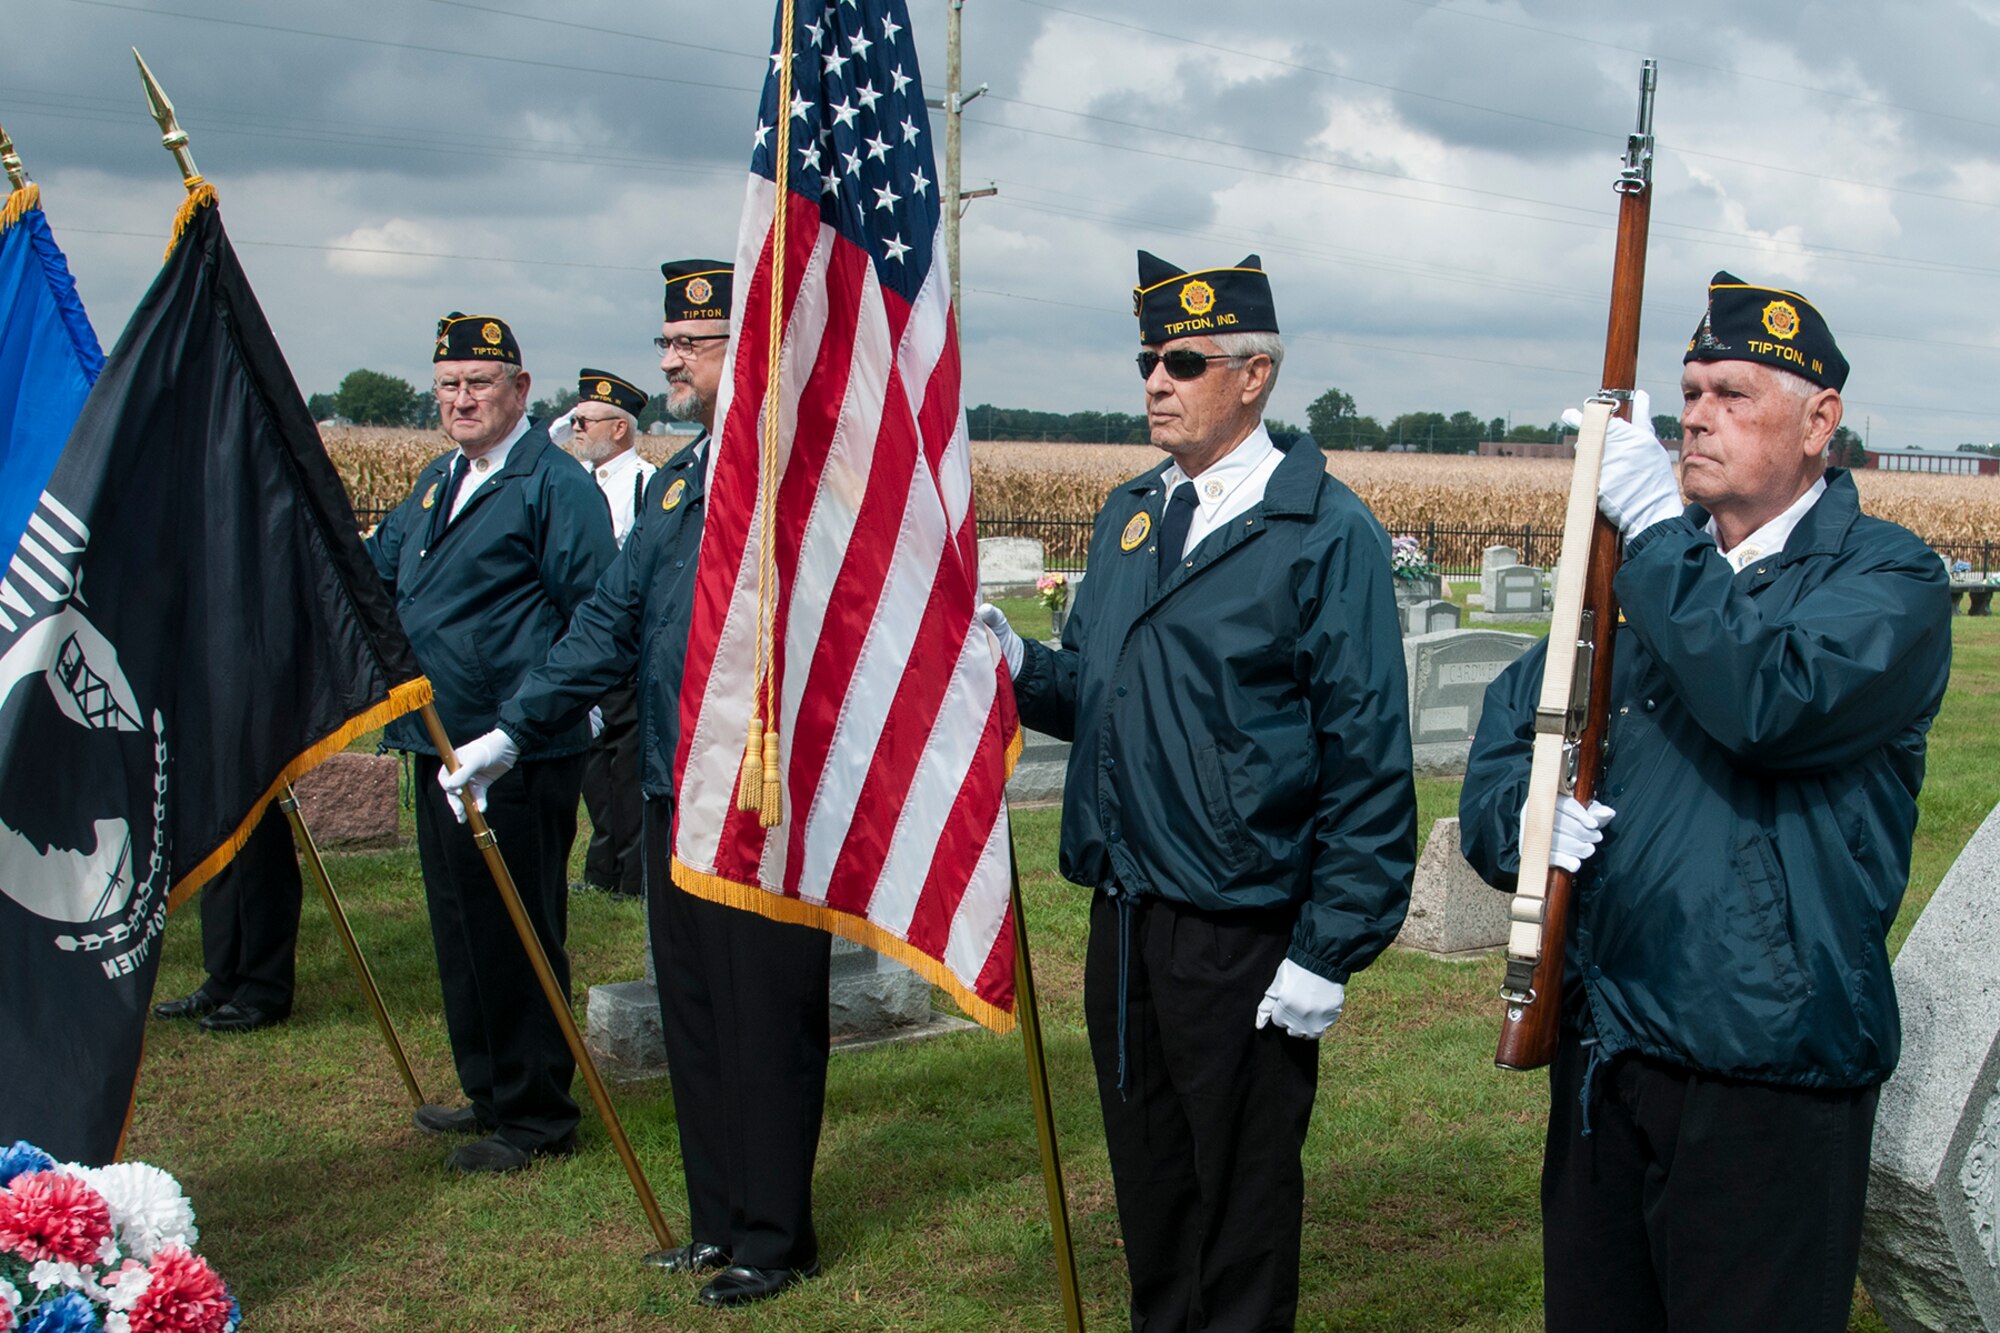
{"x":1181,"y":363}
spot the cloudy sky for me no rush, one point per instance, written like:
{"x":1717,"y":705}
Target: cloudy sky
{"x":1429,"y":183}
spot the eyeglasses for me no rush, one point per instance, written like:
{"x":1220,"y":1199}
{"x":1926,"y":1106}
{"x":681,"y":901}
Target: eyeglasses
{"x":585,"y":423}
{"x":685,"y":344}
{"x":1181,"y":363}
{"x":478,"y":388}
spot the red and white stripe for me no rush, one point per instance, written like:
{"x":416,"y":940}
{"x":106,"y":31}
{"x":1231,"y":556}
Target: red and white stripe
{"x":896,"y":717}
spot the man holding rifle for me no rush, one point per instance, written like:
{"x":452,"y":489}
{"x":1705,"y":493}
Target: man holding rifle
{"x":1729,"y":1013}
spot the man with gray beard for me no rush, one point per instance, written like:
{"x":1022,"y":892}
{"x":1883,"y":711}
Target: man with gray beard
{"x":604,"y":430}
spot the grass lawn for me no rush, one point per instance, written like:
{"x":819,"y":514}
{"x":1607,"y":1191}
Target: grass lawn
{"x":327,"y":1211}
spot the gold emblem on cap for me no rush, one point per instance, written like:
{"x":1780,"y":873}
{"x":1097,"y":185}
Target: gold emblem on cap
{"x":1197,"y":297}
{"x":698,"y":291}
{"x":674,"y":493}
{"x":1135,"y":531}
{"x":604,"y":388}
{"x":490,"y":331}
{"x":1782,"y":319}
{"x":430,"y":496}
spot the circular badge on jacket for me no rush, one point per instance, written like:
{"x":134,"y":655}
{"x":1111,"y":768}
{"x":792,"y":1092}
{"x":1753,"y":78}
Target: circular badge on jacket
{"x":674,"y":493}
{"x":1135,"y":531}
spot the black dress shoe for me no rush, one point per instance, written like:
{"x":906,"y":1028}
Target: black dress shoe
{"x":192,"y":1005}
{"x":434,"y":1119}
{"x":496,"y":1154}
{"x":694,"y":1257}
{"x":741,"y":1285}
{"x":236,"y":1016}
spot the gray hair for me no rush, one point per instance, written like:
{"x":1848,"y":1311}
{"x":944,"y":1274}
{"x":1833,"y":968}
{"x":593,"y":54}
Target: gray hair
{"x":1243,"y":346}
{"x":1795,"y":384}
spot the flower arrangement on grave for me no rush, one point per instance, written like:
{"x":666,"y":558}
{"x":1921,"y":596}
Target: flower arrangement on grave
{"x":1408,"y":559}
{"x":102,"y":1248}
{"x":1051,"y":590}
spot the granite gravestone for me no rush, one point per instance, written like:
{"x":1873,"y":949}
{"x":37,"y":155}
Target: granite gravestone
{"x":1009,"y":566}
{"x":1517,"y":591}
{"x":1429,"y":616}
{"x":1453,"y":914}
{"x":1449,"y":672}
{"x":1491,"y":559}
{"x":1930,"y":1248}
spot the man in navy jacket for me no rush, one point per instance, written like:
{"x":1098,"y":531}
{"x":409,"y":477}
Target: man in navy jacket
{"x":494,"y":548}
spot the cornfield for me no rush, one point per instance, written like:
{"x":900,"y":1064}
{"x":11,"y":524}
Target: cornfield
{"x":1407,"y":492}
{"x":1067,"y":482}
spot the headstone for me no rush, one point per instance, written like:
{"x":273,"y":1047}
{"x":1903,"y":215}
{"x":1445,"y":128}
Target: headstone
{"x":622,"y":1029}
{"x":1491,"y":559}
{"x":1429,"y":616}
{"x":1517,"y":595}
{"x":1040,"y":772}
{"x":871,"y":996}
{"x":1420,"y":589}
{"x":1449,"y":672}
{"x":1930,"y":1248}
{"x":1009,"y":565}
{"x":350,"y":801}
{"x":1453,"y":913}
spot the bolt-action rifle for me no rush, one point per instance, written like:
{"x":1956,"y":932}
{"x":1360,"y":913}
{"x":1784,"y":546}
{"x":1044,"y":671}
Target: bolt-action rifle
{"x":1572,"y":713}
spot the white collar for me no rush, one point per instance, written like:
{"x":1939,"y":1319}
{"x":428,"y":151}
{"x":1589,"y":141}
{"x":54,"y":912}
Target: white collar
{"x":617,"y":469}
{"x":1220,"y":479}
{"x":1771,"y":538}
{"x":496,"y":457}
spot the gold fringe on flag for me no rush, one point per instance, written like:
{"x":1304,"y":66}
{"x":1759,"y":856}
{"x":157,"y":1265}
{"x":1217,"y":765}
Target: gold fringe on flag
{"x":18,"y":203}
{"x":200,"y":195}
{"x":405,"y":698}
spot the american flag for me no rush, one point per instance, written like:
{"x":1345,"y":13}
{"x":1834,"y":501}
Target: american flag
{"x":896,"y":717}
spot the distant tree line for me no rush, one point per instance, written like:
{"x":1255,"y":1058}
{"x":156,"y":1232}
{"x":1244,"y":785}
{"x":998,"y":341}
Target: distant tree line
{"x":375,"y":398}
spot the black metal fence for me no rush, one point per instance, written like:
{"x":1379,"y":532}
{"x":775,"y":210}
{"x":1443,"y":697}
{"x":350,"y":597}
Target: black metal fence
{"x":1065,"y":541}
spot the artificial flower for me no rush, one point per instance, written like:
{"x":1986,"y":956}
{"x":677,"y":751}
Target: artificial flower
{"x":71,"y":1314}
{"x":148,"y":1210}
{"x":10,"y":1301}
{"x":22,"y":1159}
{"x":183,"y":1295}
{"x":53,"y":1215}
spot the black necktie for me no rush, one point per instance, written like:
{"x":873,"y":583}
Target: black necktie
{"x":441,"y":515}
{"x":1174,"y":528}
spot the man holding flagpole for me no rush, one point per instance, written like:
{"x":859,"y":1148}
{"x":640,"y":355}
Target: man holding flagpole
{"x":743,"y":999}
{"x":499,"y":541}
{"x":1239,"y":798}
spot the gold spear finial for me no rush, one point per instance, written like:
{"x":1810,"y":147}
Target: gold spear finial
{"x":17,"y":175}
{"x":172,"y":137}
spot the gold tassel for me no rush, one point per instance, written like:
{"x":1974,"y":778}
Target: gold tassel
{"x":18,"y":203}
{"x":200,"y":193}
{"x":750,"y":786}
{"x":772,"y":812}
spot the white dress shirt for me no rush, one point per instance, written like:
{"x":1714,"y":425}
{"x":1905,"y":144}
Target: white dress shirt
{"x":623,"y":481}
{"x":1229,"y":487}
{"x":486,"y":466}
{"x":1769,"y":539}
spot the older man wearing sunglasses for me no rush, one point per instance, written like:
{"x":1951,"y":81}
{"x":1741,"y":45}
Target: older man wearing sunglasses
{"x":1239,"y":799}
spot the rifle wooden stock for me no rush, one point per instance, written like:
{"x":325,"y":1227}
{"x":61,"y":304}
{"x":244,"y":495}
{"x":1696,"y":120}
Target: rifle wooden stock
{"x":1533,"y":1016}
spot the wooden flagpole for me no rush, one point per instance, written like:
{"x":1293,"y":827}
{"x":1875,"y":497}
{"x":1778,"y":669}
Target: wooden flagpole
{"x":503,"y":879}
{"x":309,"y":852}
{"x":1028,"y":1015}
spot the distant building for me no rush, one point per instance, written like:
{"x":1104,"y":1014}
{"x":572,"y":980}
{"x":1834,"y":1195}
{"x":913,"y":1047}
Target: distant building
{"x":1524,"y":449}
{"x":1948,"y":462}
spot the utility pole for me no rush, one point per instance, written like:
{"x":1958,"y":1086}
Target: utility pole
{"x":953,"y":105}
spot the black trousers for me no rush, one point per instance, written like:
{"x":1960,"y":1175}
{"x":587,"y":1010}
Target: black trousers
{"x":611,"y":794}
{"x":511,"y":1058}
{"x":743,"y":1005}
{"x":1205,"y":1142}
{"x":1699,"y":1203}
{"x":250,"y":920}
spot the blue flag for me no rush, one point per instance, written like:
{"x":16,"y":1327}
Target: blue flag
{"x":49,"y":358}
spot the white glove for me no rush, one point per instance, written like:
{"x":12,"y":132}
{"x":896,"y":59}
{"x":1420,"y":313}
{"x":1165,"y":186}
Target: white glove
{"x":1636,"y":488}
{"x":1303,"y":1003}
{"x":1010,"y":642}
{"x":1576,"y":833}
{"x":596,"y":721}
{"x":562,"y":428}
{"x":481,"y":763}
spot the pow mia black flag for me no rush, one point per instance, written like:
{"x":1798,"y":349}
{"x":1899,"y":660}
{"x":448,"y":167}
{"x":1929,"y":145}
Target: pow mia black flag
{"x":189,"y":623}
